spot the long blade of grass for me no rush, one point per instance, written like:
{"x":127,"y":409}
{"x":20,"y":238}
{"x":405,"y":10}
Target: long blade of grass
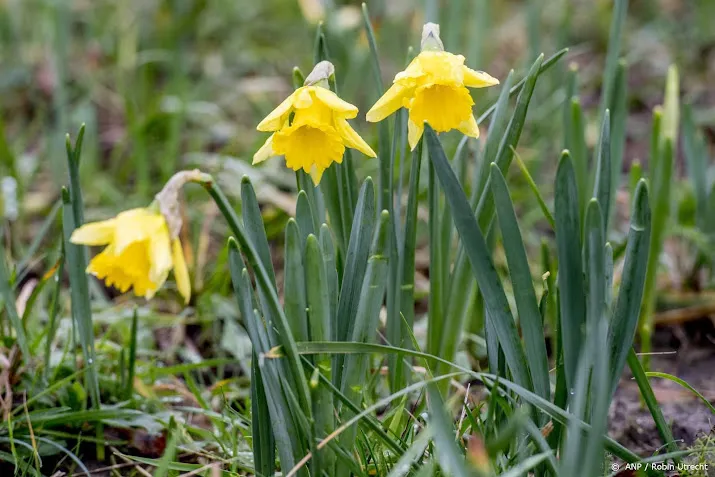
{"x":8,"y":297}
{"x":666,"y":434}
{"x":413,"y":455}
{"x":545,"y":406}
{"x":480,"y":259}
{"x":684,"y":384}
{"x":535,"y":190}
{"x":450,"y":457}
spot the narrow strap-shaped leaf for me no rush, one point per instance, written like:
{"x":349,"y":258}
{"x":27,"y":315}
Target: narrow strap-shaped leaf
{"x":482,"y":200}
{"x":314,"y":197}
{"x":384,"y":182}
{"x":304,"y":217}
{"x":496,"y":132}
{"x":608,"y":253}
{"x":594,"y":265}
{"x":317,"y":291}
{"x":320,"y":324}
{"x":510,"y":140}
{"x":482,"y":266}
{"x":661,"y":185}
{"x":576,"y":145}
{"x":602,"y":183}
{"x":253,"y":222}
{"x":73,"y":158}
{"x":571,"y":90}
{"x":270,"y":294}
{"x":370,"y":301}
{"x":630,"y":295}
{"x":436,"y":323}
{"x":548,"y":63}
{"x":264,"y":445}
{"x":542,"y":404}
{"x":356,"y":260}
{"x":407,"y":257}
{"x":274,"y":400}
{"x":524,"y":294}
{"x":696,"y":161}
{"x":619,"y":114}
{"x":570,"y":278}
{"x":620,"y":11}
{"x":294,"y":283}
{"x":331,"y":274}
{"x":572,"y":447}
{"x":372,"y":294}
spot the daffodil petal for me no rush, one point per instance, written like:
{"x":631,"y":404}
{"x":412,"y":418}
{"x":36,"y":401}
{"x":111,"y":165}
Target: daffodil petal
{"x":277,"y":117}
{"x":302,"y":98}
{"x":316,"y":173}
{"x":330,"y":99}
{"x":95,"y":233}
{"x":390,"y":102}
{"x":469,"y":127}
{"x":135,"y":225}
{"x":414,"y":133}
{"x":352,"y":138}
{"x":265,"y":152}
{"x":160,"y":257}
{"x":478,"y":79}
{"x":181,"y":271}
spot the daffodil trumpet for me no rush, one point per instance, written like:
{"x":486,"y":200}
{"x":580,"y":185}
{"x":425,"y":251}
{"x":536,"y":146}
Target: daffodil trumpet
{"x":434,"y":88}
{"x":310,"y":128}
{"x":141,"y":246}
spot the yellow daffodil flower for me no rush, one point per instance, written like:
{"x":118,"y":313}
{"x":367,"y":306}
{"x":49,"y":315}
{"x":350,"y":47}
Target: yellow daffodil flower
{"x":310,"y":127}
{"x":142,"y":245}
{"x":434,"y":90}
{"x":139,"y":252}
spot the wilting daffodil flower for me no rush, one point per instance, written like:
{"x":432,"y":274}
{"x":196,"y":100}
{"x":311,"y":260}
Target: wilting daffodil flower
{"x":310,"y":127}
{"x":434,"y":90}
{"x":141,"y":245}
